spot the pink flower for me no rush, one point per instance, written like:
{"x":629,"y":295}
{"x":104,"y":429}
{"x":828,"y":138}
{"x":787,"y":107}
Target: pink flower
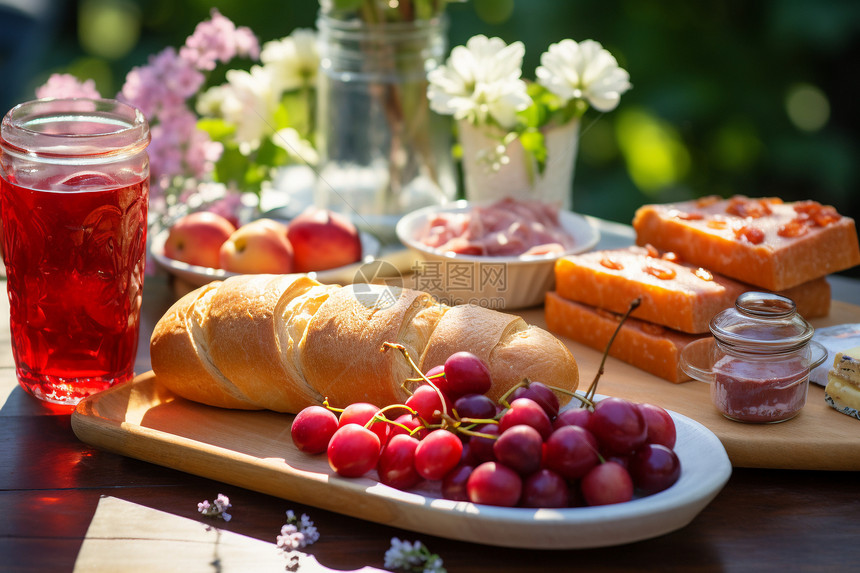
{"x":178,"y":147}
{"x":66,"y":86}
{"x":218,"y":40}
{"x":163,"y":85}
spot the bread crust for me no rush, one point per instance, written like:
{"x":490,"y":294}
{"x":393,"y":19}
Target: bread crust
{"x":244,"y":342}
{"x":343,"y":356}
{"x":174,"y":356}
{"x":283,"y":342}
{"x":512,"y":349}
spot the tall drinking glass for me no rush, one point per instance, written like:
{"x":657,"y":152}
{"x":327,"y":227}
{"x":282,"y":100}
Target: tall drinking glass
{"x":74,"y":193}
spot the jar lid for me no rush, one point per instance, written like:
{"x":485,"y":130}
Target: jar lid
{"x":762,"y":323}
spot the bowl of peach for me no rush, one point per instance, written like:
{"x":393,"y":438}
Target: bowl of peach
{"x":202,"y":247}
{"x":500,"y":255}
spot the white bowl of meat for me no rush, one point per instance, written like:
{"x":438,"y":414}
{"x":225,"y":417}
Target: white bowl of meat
{"x":500,"y":255}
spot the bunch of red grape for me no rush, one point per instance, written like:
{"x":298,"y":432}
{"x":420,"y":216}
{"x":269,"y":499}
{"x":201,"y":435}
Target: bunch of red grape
{"x":520,"y":451}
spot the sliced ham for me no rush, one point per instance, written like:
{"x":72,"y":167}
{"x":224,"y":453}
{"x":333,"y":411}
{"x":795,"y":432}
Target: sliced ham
{"x":506,"y":228}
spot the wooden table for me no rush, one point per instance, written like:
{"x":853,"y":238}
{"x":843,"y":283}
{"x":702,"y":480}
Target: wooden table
{"x":67,"y":506}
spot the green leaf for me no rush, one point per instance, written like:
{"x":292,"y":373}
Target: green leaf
{"x":217,"y":128}
{"x":424,"y":9}
{"x":297,"y":110}
{"x":231,"y":167}
{"x":535,"y":146}
{"x":346,"y":4}
{"x":271,"y":155}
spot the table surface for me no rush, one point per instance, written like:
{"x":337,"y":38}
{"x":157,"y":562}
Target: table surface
{"x":68,"y":506}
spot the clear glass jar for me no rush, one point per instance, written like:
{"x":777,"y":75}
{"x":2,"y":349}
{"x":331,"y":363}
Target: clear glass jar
{"x":383,"y":153}
{"x":758,"y":361}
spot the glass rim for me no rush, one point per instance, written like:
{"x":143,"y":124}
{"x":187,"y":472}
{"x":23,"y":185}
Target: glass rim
{"x":127,"y":130}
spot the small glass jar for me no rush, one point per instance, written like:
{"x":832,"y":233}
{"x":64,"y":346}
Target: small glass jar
{"x":758,"y":361}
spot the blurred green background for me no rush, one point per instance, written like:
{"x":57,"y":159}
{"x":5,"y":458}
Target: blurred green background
{"x":757,"y":98}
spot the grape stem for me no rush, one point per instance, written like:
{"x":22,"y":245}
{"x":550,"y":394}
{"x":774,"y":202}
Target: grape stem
{"x":423,"y":378}
{"x":457,"y":426}
{"x":503,"y":400}
{"x":634,"y":304}
{"x":328,"y":406}
{"x":402,"y":349}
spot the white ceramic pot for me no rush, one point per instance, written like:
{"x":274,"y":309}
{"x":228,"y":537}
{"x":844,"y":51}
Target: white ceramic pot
{"x":519,"y":177}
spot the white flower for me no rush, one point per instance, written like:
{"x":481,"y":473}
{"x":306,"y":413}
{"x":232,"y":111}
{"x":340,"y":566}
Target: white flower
{"x":481,"y":83}
{"x":249,"y":102}
{"x":209,"y":102}
{"x":293,"y":60}
{"x":583,"y":71}
{"x":300,"y":150}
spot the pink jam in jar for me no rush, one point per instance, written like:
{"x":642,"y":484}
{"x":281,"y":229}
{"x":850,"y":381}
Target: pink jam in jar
{"x":759,"y":391}
{"x":759,"y":360}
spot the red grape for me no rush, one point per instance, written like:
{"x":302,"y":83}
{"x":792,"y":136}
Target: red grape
{"x":454,"y":483}
{"x":606,"y":483}
{"x":482,"y":448}
{"x":545,"y":488}
{"x":465,"y":373}
{"x":494,"y":484}
{"x":618,"y":426}
{"x":654,"y":467}
{"x":426,"y":402}
{"x":313,"y":428}
{"x":571,"y":451}
{"x":410,"y":422}
{"x":353,"y":450}
{"x":477,"y":406}
{"x":540,"y":393}
{"x":436,"y":375}
{"x":396,"y":465}
{"x":520,"y":449}
{"x":572,"y":417}
{"x":437,"y":454}
{"x":361,"y":413}
{"x":526,"y":411}
{"x":661,"y":426}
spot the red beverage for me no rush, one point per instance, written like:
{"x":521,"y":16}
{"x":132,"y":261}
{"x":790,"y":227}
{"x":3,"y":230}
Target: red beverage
{"x":74,"y":191}
{"x":74,"y":302}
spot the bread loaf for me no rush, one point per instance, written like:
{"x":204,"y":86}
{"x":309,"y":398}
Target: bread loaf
{"x":284,"y":342}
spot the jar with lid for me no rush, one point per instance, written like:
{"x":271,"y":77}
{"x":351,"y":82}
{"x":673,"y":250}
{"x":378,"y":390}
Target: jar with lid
{"x":758,"y":361}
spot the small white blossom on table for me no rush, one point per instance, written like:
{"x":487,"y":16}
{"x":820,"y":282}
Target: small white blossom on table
{"x":296,"y":534}
{"x":413,"y":557}
{"x":218,"y":509}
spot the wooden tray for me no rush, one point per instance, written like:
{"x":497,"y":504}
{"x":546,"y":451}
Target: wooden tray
{"x":819,"y":438}
{"x":254,"y":450}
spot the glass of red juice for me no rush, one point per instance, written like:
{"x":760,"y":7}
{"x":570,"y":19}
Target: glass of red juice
{"x":74,"y":191}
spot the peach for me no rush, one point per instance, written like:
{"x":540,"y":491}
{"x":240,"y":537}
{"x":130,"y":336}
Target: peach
{"x":260,"y":246}
{"x":196,"y":238}
{"x":323,"y":240}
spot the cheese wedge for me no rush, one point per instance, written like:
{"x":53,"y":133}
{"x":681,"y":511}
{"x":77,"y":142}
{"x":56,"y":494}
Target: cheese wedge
{"x":843,"y":382}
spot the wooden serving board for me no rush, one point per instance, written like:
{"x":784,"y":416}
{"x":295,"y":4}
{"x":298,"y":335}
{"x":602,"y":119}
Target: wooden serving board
{"x":819,"y":438}
{"x":254,"y":450}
